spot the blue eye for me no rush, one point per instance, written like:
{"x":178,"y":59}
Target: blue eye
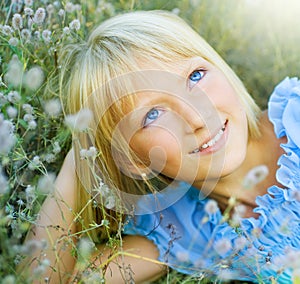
{"x":195,"y":77}
{"x":152,"y":115}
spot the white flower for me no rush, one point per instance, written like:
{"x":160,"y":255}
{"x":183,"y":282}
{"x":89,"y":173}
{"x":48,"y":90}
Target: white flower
{"x":85,"y":248}
{"x":7,"y":137}
{"x":14,"y":74}
{"x":75,"y":25}
{"x":61,"y":12}
{"x":255,"y":176}
{"x":222,"y":246}
{"x":90,"y":153}
{"x":34,"y":78}
{"x":66,"y":30}
{"x":69,"y":7}
{"x":182,"y":256}
{"x":211,"y":207}
{"x":27,"y":108}
{"x":52,"y":107}
{"x":79,"y":121}
{"x":13,"y":41}
{"x":46,"y":35}
{"x":46,"y":183}
{"x":240,"y":243}
{"x":28,"y":11}
{"x":17,"y":21}
{"x":26,"y":35}
{"x":56,"y":147}
{"x":28,"y":117}
{"x":13,"y":97}
{"x":9,"y":279}
{"x":39,"y":16}
{"x":3,"y":182}
{"x":50,"y":9}
{"x":35,"y":163}
{"x":32,"y":125}
{"x":12,"y":112}
{"x":7,"y":30}
{"x":28,"y":2}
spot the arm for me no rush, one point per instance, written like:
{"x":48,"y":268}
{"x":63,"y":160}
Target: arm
{"x":135,"y":263}
{"x":54,"y":224}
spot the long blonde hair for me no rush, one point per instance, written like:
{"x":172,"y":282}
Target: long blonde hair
{"x":113,"y":49}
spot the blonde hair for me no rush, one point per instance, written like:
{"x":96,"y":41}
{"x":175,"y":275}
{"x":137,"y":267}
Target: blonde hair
{"x":112,"y":50}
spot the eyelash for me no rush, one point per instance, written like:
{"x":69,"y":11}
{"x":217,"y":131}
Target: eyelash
{"x":145,"y":123}
{"x":200,"y":70}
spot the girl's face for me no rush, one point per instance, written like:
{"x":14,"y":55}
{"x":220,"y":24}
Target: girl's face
{"x":188,"y":122}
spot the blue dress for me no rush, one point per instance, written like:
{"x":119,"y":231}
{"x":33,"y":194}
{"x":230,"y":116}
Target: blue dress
{"x":194,"y":240}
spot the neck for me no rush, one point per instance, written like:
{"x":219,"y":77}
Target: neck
{"x":258,"y":153}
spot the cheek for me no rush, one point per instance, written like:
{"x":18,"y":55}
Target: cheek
{"x":156,"y":150}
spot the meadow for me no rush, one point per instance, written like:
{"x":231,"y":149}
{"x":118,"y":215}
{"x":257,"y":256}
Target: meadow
{"x":259,"y":39}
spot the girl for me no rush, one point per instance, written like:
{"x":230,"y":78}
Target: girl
{"x":171,"y":125}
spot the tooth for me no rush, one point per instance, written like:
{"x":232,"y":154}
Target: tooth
{"x":196,"y":151}
{"x":204,"y":146}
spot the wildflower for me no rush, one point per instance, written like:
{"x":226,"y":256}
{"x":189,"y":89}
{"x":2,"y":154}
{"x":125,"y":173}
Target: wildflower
{"x":35,"y":163}
{"x":222,"y":246}
{"x":32,"y":125}
{"x":26,"y":35}
{"x":79,"y":121}
{"x":14,"y":74}
{"x":255,"y":176}
{"x":61,"y":12}
{"x":52,"y":107}
{"x":240,"y":243}
{"x":90,"y":153}
{"x":46,"y":35}
{"x":17,"y":21}
{"x":49,"y":158}
{"x":12,"y":112}
{"x":28,"y":117}
{"x":56,"y":4}
{"x":28,"y":11}
{"x":7,"y":30}
{"x":31,"y":246}
{"x":211,"y":207}
{"x":225,"y":274}
{"x":66,"y":31}
{"x":56,"y":147}
{"x":46,"y":183}
{"x":13,"y":41}
{"x":7,"y":138}
{"x":3,"y":183}
{"x":9,"y":279}
{"x":28,"y":3}
{"x":34,"y":78}
{"x":37,"y":35}
{"x":3,"y":99}
{"x":50,"y":9}
{"x":39,"y":16}
{"x":110,"y":202}
{"x":75,"y":25}
{"x":182,"y":256}
{"x":13,"y":97}
{"x":27,"y":108}
{"x":69,"y":7}
{"x":176,"y":11}
{"x":84,"y":250}
{"x":30,"y":195}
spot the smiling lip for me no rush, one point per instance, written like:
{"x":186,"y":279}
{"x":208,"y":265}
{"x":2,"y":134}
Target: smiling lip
{"x":208,"y":145}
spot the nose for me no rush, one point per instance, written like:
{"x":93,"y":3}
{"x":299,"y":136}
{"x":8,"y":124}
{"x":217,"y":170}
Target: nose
{"x":198,"y":113}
